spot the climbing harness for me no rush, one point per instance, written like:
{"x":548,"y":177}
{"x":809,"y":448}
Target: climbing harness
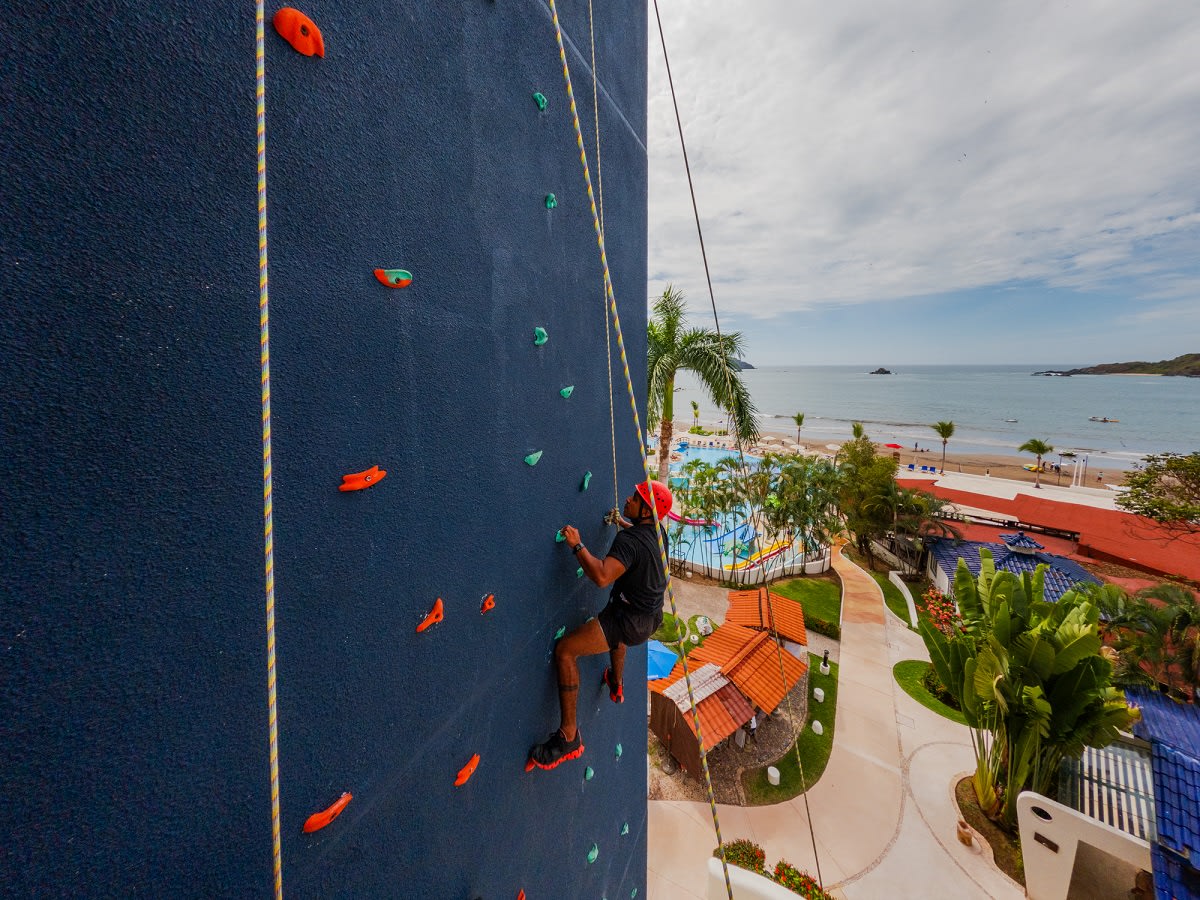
{"x":616,"y":322}
{"x":264,"y":341}
{"x":764,"y":584}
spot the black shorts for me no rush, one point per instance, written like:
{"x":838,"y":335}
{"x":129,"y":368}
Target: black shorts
{"x":622,"y":624}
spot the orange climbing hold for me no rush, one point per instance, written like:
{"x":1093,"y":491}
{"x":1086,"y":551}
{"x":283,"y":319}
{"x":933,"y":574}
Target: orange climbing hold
{"x":435,"y":616}
{"x":489,"y":603}
{"x":521,"y":894}
{"x":357,"y":481}
{"x":300,"y":31}
{"x":465,"y":773}
{"x":317,"y":821}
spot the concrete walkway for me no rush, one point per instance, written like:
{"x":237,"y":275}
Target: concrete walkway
{"x":883,"y":812}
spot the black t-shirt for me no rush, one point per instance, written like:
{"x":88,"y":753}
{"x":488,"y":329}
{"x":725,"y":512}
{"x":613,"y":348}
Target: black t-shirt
{"x":643,"y":582}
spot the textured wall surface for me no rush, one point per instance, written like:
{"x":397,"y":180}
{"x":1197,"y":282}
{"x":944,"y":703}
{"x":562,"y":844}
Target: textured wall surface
{"x":132,"y":637}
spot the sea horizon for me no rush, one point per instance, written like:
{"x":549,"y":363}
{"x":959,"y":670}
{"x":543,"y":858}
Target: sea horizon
{"x":995,"y":408}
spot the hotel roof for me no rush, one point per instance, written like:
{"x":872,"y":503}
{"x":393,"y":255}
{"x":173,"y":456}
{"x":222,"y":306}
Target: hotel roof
{"x":750,"y":659}
{"x":1060,"y":576}
{"x":753,"y":609}
{"x":1173,"y":730}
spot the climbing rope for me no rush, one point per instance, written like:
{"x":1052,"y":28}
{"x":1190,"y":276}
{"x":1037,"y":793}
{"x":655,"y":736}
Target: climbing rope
{"x":764,"y":584}
{"x":616,"y":320}
{"x":264,"y":342}
{"x":612,"y":421}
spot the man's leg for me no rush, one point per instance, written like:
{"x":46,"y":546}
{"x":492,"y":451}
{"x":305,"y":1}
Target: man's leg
{"x":616,"y":658}
{"x":586,"y":640}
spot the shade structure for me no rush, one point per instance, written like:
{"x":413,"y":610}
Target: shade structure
{"x":894,"y":446}
{"x":659,"y":660}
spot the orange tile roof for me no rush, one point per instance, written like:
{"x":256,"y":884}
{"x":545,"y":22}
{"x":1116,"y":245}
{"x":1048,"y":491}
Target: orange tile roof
{"x":752,"y":609}
{"x":721,"y":715}
{"x":749,"y":659}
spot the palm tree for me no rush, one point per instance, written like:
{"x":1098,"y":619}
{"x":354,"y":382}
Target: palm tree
{"x":798,"y":418}
{"x":945,"y":430}
{"x":712,"y":358}
{"x":856,"y":429}
{"x":1039,"y":449}
{"x":695,"y":414}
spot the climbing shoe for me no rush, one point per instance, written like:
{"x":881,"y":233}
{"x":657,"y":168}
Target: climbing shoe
{"x":615,"y":692}
{"x":556,"y":750}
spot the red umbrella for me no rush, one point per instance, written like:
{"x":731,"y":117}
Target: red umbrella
{"x":894,"y":446}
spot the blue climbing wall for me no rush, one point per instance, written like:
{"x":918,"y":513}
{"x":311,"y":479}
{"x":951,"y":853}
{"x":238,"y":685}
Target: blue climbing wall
{"x":133,"y":696}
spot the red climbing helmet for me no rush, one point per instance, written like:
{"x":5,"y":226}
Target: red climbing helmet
{"x":662,"y":497}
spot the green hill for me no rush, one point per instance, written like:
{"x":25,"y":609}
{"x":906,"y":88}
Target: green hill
{"x":1187,"y":365}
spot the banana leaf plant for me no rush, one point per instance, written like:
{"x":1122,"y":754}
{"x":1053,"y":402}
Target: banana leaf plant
{"x":1030,"y":679}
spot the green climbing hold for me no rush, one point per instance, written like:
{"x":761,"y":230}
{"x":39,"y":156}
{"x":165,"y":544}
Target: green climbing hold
{"x":633,"y":893}
{"x":559,"y":537}
{"x":540,"y":99}
{"x":532,"y":458}
{"x":625,"y":829}
{"x":551,"y":201}
{"x":593,"y":853}
{"x":561,"y":631}
{"x":579,"y":572}
{"x":539,"y":336}
{"x":566,"y":392}
{"x":620,"y":750}
{"x":589,"y":773}
{"x":587,"y":479}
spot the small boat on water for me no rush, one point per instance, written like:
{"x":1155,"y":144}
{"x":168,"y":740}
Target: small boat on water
{"x":1010,"y":420}
{"x":1102,"y":419}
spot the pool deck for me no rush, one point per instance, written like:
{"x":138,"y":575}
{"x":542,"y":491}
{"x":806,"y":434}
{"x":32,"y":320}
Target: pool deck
{"x":883,"y":813}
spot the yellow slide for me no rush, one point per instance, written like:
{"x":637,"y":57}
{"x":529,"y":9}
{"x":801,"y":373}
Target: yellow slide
{"x":758,"y":557}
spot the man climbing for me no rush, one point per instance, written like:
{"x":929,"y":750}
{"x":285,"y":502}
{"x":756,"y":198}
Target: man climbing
{"x":634,"y":568}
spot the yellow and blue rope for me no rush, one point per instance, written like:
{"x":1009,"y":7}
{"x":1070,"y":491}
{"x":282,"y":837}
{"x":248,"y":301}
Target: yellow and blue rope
{"x":264,"y":343}
{"x":616,"y":318}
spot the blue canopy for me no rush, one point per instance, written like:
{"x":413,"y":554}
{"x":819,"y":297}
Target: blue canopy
{"x":660,"y":660}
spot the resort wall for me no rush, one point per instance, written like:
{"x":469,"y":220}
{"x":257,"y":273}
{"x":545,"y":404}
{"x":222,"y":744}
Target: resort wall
{"x":134,"y":653}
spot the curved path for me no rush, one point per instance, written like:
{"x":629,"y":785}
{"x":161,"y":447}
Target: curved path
{"x":883,"y":813}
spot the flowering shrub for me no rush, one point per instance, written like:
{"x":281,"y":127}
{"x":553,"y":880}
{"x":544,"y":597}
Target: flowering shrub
{"x":798,"y":882}
{"x":744,"y":854}
{"x":941,"y":612}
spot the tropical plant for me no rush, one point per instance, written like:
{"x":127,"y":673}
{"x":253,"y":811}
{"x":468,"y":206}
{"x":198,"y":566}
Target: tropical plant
{"x":711,"y":357}
{"x":798,"y":418}
{"x":1030,"y":678}
{"x":796,"y":497}
{"x":857,"y":430}
{"x":865,"y":475}
{"x":1039,"y":449}
{"x":695,"y":414}
{"x":945,"y":430}
{"x":916,"y":517}
{"x":1167,"y":489}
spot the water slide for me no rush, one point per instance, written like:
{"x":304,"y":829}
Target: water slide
{"x":738,"y":533}
{"x":760,"y":557}
{"x":700,"y":523}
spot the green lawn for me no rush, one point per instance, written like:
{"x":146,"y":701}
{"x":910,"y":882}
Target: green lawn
{"x":908,"y":675}
{"x":821,"y":599}
{"x":892,"y":597}
{"x":814,"y":748}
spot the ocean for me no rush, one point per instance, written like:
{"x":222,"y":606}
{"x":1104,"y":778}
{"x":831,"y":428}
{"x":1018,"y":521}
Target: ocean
{"x":1153,"y":414}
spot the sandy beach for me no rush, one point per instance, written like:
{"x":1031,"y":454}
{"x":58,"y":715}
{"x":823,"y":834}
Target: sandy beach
{"x":1100,"y":472}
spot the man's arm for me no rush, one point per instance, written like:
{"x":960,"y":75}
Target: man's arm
{"x":601,"y":571}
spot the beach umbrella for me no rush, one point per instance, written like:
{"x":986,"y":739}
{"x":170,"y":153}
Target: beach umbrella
{"x":660,"y":660}
{"x":894,"y":446}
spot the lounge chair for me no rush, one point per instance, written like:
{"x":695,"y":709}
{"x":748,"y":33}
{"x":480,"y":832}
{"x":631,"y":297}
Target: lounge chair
{"x":912,"y":467}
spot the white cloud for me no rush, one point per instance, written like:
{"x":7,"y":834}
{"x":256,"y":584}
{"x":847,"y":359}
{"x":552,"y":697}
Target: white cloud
{"x":852,"y":154}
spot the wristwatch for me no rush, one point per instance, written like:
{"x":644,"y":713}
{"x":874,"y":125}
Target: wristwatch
{"x":577,"y":547}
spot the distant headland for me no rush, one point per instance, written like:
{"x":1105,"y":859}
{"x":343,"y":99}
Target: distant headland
{"x":1187,"y":366}
{"x":740,"y":364}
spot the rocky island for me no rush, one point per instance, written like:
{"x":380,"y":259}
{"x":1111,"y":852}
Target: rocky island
{"x":880,"y":371}
{"x":1187,"y":366}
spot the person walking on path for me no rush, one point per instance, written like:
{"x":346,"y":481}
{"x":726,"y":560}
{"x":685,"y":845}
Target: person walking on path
{"x":634,"y":568}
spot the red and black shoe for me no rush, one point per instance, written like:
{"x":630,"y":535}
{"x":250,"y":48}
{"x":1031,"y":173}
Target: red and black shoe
{"x":556,"y":750}
{"x":615,"y":692}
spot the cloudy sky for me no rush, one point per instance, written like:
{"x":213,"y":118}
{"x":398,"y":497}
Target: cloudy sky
{"x":933,"y":181}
